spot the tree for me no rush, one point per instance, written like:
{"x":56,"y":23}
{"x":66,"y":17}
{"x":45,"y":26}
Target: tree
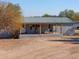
{"x":63,"y":13}
{"x":47,"y":15}
{"x":67,"y":13}
{"x":76,"y":16}
{"x":70,"y":14}
{"x":10,"y":17}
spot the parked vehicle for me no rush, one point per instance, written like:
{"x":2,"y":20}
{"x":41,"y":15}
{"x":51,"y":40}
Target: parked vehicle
{"x":9,"y":35}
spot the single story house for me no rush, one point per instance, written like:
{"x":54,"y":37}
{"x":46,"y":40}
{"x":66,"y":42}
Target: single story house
{"x":48,"y":25}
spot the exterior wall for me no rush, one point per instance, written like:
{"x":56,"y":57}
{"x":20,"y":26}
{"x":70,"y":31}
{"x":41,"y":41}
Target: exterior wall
{"x":44,"y":27}
{"x":57,"y":28}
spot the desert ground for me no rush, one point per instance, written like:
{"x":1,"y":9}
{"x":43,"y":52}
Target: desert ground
{"x":37,"y":48}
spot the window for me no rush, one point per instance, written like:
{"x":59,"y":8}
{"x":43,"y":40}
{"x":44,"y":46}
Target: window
{"x":78,"y":28}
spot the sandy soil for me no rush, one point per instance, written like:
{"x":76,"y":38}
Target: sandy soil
{"x":37,"y":49}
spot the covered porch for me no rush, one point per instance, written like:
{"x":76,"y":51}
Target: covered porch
{"x":43,"y":28}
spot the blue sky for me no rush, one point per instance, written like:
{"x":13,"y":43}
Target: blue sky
{"x":40,"y":7}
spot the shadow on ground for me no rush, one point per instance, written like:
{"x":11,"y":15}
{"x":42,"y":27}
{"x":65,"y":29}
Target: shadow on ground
{"x":72,"y":41}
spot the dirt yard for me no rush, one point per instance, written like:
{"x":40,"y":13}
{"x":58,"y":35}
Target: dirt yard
{"x":37,"y":49}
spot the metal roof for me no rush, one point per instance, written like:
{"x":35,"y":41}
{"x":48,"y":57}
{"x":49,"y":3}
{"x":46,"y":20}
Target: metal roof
{"x":47,"y":20}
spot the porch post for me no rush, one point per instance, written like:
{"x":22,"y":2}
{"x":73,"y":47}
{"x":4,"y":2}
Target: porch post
{"x":61,"y":27}
{"x":52,"y":28}
{"x":55,"y":28}
{"x":40,"y":28}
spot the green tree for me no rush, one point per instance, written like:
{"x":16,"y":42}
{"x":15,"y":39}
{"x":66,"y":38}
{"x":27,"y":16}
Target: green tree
{"x":63,"y":13}
{"x":47,"y":15}
{"x":67,"y":13}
